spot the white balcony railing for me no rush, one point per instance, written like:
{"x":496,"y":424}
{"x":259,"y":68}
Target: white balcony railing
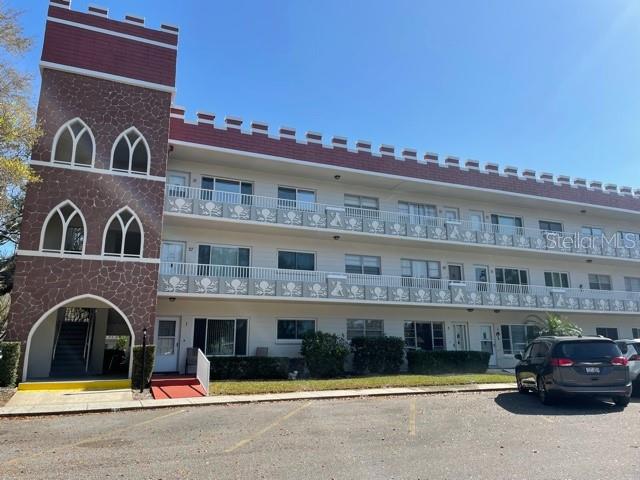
{"x":188,"y":278}
{"x":240,"y":207}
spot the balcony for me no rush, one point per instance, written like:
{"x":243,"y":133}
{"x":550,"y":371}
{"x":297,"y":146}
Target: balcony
{"x":306,"y":215}
{"x":193,"y":280}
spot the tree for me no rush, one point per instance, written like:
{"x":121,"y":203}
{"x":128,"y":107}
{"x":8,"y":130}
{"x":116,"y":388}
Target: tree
{"x":554,"y":325}
{"x":17,"y":136}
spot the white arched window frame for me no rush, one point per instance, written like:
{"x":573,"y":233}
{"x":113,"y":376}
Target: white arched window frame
{"x":125,"y":225}
{"x":57,"y":211}
{"x":132,"y":138}
{"x":76,"y":128}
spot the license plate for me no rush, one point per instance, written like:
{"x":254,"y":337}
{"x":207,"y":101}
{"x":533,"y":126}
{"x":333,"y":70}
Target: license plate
{"x":592,"y":369}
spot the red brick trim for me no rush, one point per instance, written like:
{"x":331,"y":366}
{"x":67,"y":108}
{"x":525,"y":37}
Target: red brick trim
{"x":317,"y":153}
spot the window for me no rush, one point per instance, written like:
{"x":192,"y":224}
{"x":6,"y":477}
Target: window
{"x":298,"y":198}
{"x":481,"y":277}
{"x":507,"y":224}
{"x":364,"y":328}
{"x":74,"y":144}
{"x":63,"y":230}
{"x":424,"y":335}
{"x":413,"y":270}
{"x":455,"y":272}
{"x":550,"y":226}
{"x":361,"y":206}
{"x":223,"y":337}
{"x":417,"y":212}
{"x":556,"y":279}
{"x":632,"y":284}
{"x":177,"y":184}
{"x":290,"y":329}
{"x":226,"y":191}
{"x":296,"y":260}
{"x":516,"y":337}
{"x":476,"y":220}
{"x":608,"y":332}
{"x":628,"y":239}
{"x":362,"y":264}
{"x":130,"y":152}
{"x":591,"y":231}
{"x":599,"y":281}
{"x":124,"y":235}
{"x":225,"y":261}
{"x":508,"y":277}
{"x":451,"y":214}
{"x":172,"y":258}
{"x":635,"y":332}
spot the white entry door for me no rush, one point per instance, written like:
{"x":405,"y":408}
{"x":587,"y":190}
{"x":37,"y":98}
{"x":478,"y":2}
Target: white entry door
{"x":461,"y":337}
{"x":486,"y":342}
{"x":167,"y":344}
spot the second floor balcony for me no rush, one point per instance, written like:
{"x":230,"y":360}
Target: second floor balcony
{"x":257,"y":209}
{"x":203,"y":280}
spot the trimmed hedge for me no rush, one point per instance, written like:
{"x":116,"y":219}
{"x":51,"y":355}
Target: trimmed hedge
{"x":377,"y":354}
{"x":249,"y":368}
{"x":324,"y":354}
{"x":9,"y":363}
{"x":447,"y":361}
{"x":137,"y":365}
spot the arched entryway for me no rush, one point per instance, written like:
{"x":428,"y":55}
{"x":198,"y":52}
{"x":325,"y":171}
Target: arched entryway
{"x":84,"y":336}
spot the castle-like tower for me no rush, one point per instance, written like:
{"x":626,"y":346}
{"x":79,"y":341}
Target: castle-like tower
{"x":91,"y":231}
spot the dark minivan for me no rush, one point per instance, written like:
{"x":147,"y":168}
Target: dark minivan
{"x":554,"y":366}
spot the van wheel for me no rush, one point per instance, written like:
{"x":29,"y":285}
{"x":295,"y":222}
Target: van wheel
{"x":621,"y":401}
{"x":521,"y":388}
{"x":543,"y":395}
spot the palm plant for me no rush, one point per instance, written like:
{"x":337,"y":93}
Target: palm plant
{"x":556,"y":325}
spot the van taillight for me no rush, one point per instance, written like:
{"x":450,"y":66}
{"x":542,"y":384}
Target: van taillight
{"x":561,"y":362}
{"x":634,"y":358}
{"x":622,"y":361}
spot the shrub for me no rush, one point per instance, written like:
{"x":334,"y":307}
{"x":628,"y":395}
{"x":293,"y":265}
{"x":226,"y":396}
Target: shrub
{"x":137,"y":365}
{"x":377,"y":354}
{"x":9,"y":363}
{"x":324,"y":354}
{"x":249,"y":368}
{"x":447,"y":362}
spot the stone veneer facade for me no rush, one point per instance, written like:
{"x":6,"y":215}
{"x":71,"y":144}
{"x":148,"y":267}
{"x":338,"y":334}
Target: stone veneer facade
{"x":108,"y":106}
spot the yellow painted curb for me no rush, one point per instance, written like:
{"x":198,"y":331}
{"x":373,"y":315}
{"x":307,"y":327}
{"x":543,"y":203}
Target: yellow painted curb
{"x":76,"y":385}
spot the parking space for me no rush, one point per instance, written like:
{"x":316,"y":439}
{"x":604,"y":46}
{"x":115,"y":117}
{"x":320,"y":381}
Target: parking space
{"x":479,"y":435}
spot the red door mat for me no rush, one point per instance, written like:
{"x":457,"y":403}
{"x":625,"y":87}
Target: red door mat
{"x":176,"y":387}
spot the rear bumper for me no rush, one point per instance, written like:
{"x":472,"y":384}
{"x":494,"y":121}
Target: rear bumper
{"x":613,"y":390}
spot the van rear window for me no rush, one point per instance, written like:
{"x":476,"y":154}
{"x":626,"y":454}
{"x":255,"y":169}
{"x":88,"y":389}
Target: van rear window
{"x":585,"y":351}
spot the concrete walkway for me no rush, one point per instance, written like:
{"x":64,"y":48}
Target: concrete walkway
{"x":54,"y":403}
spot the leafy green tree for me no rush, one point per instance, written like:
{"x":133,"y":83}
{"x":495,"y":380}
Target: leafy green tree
{"x":18,"y":133}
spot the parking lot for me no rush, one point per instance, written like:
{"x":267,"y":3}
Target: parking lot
{"x":480,"y":435}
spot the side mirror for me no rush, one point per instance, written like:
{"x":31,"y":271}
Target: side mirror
{"x":518,"y":356}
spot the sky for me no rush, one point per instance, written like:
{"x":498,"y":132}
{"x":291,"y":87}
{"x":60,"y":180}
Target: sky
{"x":548,"y":85}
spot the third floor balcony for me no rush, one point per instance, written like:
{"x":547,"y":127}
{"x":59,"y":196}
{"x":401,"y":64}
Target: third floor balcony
{"x":389,"y":226}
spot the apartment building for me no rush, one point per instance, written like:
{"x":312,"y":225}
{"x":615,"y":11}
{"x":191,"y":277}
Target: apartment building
{"x":238,"y":238}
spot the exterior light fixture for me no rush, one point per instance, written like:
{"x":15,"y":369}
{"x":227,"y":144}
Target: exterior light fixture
{"x":172,"y":299}
{"x":336,"y":237}
{"x":337,"y":177}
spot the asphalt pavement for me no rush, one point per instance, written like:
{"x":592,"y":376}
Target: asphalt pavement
{"x":499,"y":435}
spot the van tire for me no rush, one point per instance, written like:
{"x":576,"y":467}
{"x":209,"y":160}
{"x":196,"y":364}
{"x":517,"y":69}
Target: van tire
{"x":544,"y":396}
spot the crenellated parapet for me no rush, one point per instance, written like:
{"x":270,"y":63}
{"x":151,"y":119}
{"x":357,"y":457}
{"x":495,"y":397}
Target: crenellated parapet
{"x":259,"y":137}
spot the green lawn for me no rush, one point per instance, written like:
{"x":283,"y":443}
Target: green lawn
{"x":238,"y":387}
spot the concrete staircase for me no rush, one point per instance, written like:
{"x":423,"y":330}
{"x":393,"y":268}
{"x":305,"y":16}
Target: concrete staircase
{"x":69,"y":357}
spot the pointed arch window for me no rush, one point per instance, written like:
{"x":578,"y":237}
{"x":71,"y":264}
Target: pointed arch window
{"x":74,"y":144}
{"x":130,"y":153}
{"x":124,"y":236}
{"x":64,"y":230}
